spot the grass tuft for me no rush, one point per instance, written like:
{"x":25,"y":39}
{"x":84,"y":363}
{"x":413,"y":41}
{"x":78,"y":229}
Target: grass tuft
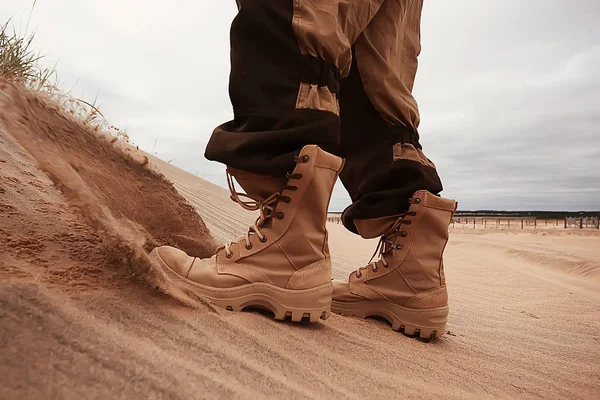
{"x":20,"y":63}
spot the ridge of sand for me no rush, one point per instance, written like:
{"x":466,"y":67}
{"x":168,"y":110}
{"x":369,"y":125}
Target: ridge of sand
{"x":524,"y":322}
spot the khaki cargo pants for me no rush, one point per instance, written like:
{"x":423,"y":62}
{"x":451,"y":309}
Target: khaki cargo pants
{"x":336,"y":73}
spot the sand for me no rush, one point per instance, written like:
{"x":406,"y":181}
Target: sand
{"x":83,"y":314}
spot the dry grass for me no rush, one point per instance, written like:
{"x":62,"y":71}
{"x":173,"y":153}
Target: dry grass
{"x":20,"y":63}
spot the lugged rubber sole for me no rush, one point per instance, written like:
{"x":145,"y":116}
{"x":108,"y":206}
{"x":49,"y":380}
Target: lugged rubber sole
{"x":312,"y":304}
{"x":424,"y":323}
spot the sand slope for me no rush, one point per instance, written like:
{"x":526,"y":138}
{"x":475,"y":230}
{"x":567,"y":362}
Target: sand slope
{"x":75,"y":323}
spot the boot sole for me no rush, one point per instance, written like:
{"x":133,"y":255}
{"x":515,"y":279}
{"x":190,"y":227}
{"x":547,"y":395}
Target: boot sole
{"x":423,"y":323}
{"x":312,"y":304}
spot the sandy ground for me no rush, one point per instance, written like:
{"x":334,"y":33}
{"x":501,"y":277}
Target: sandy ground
{"x":82,"y":314}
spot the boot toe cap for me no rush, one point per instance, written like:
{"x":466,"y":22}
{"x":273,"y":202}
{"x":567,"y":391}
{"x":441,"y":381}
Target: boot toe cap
{"x":176,"y":260}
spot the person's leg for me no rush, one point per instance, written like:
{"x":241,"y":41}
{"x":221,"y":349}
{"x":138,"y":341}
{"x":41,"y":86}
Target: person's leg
{"x":385,"y":164}
{"x":287,"y":57}
{"x":392,"y":184}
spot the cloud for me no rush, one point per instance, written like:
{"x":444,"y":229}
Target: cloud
{"x":509,"y":91}
{"x":513,"y":123}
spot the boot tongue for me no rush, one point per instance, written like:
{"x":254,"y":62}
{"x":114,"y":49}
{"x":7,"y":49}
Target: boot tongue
{"x":257,"y":187}
{"x":375,"y":227}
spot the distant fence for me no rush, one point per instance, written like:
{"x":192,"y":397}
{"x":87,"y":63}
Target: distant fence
{"x":511,"y":222}
{"x":525,"y":223}
{"x":497,"y":223}
{"x":334,"y":218}
{"x":582,"y":222}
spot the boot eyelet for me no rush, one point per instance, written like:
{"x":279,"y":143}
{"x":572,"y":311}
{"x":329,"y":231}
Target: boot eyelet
{"x":398,"y":247}
{"x":228,"y":255}
{"x":403,"y":233}
{"x":375,"y":268}
{"x":386,"y":265}
{"x":263,"y":239}
{"x":417,"y":200}
{"x":305,"y":158}
{"x":279,"y":215}
{"x":285,"y":199}
{"x":249,"y":247}
{"x":358,"y":275}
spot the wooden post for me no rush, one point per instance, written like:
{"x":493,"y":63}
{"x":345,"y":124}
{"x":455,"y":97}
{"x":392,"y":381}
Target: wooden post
{"x":473,"y":223}
{"x":535,"y":222}
{"x":566,"y":222}
{"x":521,"y":223}
{"x":580,"y":222}
{"x":485,"y":223}
{"x":509,"y":223}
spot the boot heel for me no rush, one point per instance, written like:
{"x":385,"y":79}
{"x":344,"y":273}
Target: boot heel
{"x":313,"y":304}
{"x":426,"y":323}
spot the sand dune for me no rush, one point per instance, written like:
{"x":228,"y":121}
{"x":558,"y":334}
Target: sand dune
{"x":79,"y":319}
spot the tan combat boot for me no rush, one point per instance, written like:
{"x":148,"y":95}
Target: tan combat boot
{"x":406,"y":286}
{"x":282,"y":263}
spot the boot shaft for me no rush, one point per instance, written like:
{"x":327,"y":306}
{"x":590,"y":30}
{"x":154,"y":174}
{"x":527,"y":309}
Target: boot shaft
{"x":295,"y":233}
{"x":412,"y":258}
{"x":307,"y":236}
{"x":428,"y":236}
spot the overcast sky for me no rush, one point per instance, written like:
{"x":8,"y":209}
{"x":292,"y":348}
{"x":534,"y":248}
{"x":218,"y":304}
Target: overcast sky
{"x":509,"y":91}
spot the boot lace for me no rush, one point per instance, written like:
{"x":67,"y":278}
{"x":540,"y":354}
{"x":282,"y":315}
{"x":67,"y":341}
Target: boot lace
{"x":388,"y":243}
{"x":265,"y":207}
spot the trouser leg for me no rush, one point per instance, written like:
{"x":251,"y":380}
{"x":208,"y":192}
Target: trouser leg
{"x":287,"y":57}
{"x":385,"y":163}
